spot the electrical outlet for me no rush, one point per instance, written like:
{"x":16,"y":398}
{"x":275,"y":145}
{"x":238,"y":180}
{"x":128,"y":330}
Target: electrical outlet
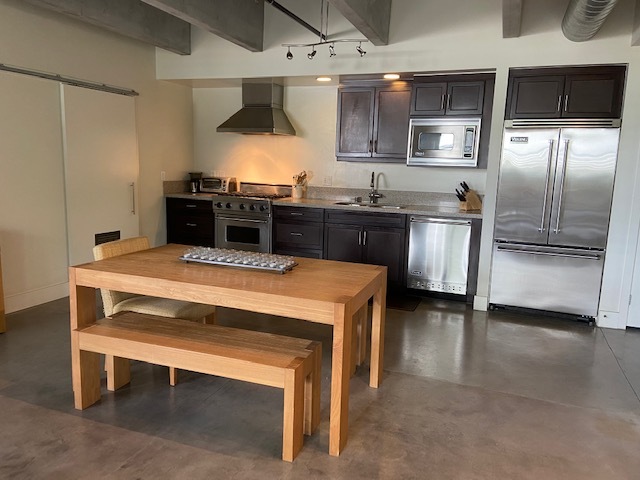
{"x":163,"y":175}
{"x":327,"y":181}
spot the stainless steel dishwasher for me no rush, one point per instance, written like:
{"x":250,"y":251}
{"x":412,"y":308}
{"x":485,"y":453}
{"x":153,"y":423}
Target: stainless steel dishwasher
{"x":438,"y":254}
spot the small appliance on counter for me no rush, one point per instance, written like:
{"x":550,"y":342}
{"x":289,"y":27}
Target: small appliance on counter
{"x":194,"y":181}
{"x":218,"y":184}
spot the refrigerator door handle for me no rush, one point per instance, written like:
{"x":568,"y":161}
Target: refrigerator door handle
{"x":560,"y":193}
{"x":592,"y":256}
{"x":546,"y":188}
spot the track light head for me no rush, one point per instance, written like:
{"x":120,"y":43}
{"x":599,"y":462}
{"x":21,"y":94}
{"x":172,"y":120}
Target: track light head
{"x":360,"y":50}
{"x":332,"y":51}
{"x":311,"y":54}
{"x":289,"y":54}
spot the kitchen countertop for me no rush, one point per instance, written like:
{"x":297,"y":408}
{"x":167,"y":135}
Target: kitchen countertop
{"x":438,"y":209}
{"x":451,"y":211}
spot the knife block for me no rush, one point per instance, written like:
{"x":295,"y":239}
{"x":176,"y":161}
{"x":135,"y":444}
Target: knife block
{"x":472,"y":201}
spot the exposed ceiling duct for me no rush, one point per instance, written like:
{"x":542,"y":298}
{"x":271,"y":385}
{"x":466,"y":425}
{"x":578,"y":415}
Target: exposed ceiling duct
{"x":261,"y":111}
{"x":583,"y":18}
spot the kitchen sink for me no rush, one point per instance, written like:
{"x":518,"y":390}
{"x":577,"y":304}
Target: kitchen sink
{"x":369,"y":205}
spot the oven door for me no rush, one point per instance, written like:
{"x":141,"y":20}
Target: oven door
{"x":241,"y":233}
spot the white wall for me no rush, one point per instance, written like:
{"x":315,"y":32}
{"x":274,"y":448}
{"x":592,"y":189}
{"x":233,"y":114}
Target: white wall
{"x":425,"y":36}
{"x":31,"y":177}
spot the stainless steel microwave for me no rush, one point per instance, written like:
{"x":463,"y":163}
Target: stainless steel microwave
{"x":444,"y":142}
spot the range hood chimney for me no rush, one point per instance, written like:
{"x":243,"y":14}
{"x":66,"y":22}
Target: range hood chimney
{"x":261,"y":112}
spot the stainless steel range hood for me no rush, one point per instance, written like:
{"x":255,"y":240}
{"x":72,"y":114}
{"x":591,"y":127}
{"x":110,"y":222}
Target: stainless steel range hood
{"x":261,"y":112}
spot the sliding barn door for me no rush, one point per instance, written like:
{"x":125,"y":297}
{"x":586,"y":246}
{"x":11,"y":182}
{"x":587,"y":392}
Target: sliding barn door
{"x":101,"y":168}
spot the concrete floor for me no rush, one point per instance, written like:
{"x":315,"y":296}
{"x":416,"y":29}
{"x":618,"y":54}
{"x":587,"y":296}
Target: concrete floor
{"x":466,"y":395}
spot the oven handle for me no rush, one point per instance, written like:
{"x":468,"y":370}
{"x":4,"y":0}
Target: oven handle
{"x":248,"y":220}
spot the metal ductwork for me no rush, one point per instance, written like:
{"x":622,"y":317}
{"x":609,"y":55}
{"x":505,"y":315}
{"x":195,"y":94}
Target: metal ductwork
{"x":583,"y":18}
{"x":261,"y":112}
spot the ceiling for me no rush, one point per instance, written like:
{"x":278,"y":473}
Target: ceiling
{"x":167,"y":23}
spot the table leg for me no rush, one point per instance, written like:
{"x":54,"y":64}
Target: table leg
{"x":85,"y":366}
{"x":340,"y":376}
{"x":377,"y":336}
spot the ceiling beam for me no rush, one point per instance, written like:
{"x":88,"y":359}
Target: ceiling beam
{"x":370,"y":17}
{"x":635,"y":34}
{"x":238,"y":21}
{"x":130,"y":18}
{"x":511,"y":18}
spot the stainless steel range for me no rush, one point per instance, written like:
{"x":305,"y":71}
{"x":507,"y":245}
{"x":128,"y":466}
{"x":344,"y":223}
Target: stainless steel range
{"x":243,"y":219}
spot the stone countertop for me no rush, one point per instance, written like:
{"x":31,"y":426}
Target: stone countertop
{"x":450,"y":211}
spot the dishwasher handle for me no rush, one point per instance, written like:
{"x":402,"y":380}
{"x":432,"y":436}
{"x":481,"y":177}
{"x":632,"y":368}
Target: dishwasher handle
{"x":444,"y":221}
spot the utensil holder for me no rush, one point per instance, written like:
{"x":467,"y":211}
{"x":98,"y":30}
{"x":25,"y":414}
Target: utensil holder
{"x":298,"y":191}
{"x":472,"y":201}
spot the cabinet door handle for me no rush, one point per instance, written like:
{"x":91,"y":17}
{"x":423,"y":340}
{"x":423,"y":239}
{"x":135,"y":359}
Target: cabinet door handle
{"x":192,"y":224}
{"x":448,"y":102}
{"x":370,"y":145}
{"x":442,"y":100}
{"x":375,"y":146}
{"x":566,"y":102}
{"x":189,"y":205}
{"x":364,"y":238}
{"x":359,"y":238}
{"x":296,"y":234}
{"x":296,"y":214}
{"x":559,"y":103}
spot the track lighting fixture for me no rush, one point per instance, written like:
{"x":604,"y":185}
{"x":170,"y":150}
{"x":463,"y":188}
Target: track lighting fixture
{"x":324,"y":26}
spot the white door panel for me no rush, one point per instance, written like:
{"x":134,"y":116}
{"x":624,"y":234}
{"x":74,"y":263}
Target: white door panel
{"x":633,"y":319}
{"x":101,"y":167}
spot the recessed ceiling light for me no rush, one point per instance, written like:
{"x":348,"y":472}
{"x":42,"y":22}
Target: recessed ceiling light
{"x":391,"y":76}
{"x":323,"y":79}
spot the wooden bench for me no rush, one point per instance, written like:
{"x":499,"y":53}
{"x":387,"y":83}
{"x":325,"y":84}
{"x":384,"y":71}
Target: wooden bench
{"x":292,"y":364}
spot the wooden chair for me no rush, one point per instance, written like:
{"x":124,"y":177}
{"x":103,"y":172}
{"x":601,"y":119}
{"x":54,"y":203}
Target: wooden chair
{"x":115,"y":302}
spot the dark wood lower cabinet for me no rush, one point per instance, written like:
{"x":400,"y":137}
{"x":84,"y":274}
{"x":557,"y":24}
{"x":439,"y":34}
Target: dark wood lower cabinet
{"x":298,"y":231}
{"x":377,"y":239}
{"x":190,"y":222}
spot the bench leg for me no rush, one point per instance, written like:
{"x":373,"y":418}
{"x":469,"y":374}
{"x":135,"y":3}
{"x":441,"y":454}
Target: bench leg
{"x":293,"y":417}
{"x":118,"y":372}
{"x":312,"y":393}
{"x":210,"y":319}
{"x":173,"y":376}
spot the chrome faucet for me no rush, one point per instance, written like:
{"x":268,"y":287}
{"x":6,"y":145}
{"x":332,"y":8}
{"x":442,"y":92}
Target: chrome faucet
{"x":373,"y":194}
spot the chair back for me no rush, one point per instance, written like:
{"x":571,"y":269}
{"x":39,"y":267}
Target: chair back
{"x":114,"y":249}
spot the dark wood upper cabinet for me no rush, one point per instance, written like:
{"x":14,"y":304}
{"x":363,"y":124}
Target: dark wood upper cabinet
{"x":373,"y":123}
{"x":355,"y":122}
{"x":429,"y":98}
{"x":573,"y":92}
{"x":447,"y":98}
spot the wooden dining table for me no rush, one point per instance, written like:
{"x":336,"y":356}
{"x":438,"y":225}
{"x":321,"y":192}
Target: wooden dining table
{"x":319,"y":291}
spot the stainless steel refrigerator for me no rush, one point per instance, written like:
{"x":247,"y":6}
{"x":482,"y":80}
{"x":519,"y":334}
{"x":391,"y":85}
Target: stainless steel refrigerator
{"x":552,"y":216}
